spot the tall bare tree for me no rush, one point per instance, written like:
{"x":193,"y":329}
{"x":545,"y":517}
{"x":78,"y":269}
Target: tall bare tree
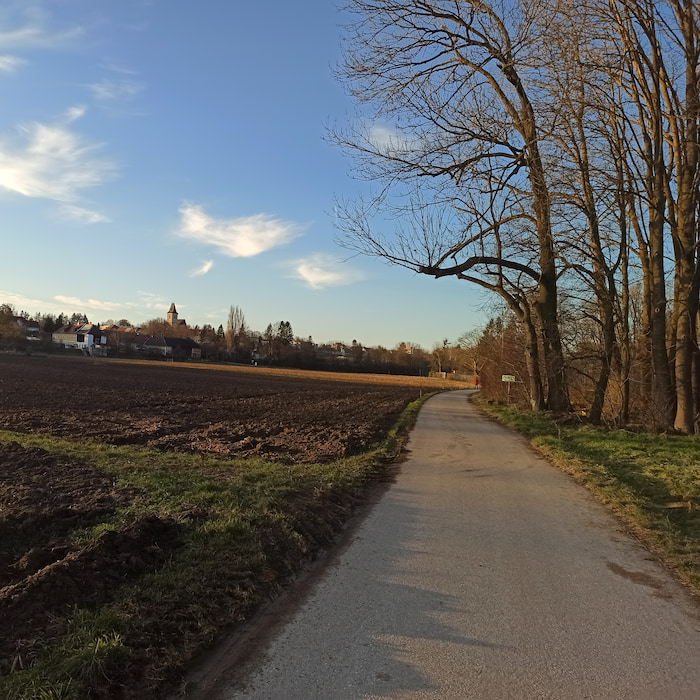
{"x":453,"y":79}
{"x":682,"y":102}
{"x":576,"y":83}
{"x":658,"y":44}
{"x":236,"y":330}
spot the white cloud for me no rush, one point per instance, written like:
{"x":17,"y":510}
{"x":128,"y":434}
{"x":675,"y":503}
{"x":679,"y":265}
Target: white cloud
{"x":19,"y":301}
{"x":74,"y":113}
{"x":237,"y":238}
{"x":34,"y":34}
{"x":149,"y":300}
{"x":51,"y":161}
{"x":9,"y":64}
{"x":119,"y":68}
{"x":389,"y":139}
{"x":147,"y":303}
{"x":203,"y":268}
{"x":322,"y":270}
{"x":59,"y":304}
{"x":109,"y":90}
{"x":70,"y":212}
{"x":80,"y":305}
{"x":382,"y":136}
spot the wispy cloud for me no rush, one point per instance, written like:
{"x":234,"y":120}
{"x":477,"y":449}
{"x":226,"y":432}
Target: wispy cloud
{"x":382,"y":136}
{"x":21,"y":302}
{"x":51,"y":161}
{"x":149,"y":300}
{"x":322,"y":270}
{"x":119,"y":68}
{"x":243,"y":237}
{"x":74,"y":113}
{"x":112,"y":90}
{"x":203,"y":268}
{"x":9,"y":64}
{"x":29,"y":30}
{"x":70,"y":212}
{"x":389,"y":139}
{"x":74,"y":303}
{"x":146,"y":303}
{"x":35,"y":34}
{"x":56,"y":305}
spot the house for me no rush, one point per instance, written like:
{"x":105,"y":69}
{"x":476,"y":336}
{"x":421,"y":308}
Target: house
{"x":29,"y":327}
{"x":78,"y":335}
{"x":114,"y":328}
{"x":119,"y":339}
{"x":160,"y":346}
{"x":332,"y":351}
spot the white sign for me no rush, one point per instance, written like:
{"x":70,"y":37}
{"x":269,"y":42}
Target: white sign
{"x":508,"y":378}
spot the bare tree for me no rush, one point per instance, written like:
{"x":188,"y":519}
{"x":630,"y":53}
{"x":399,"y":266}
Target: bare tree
{"x":162,"y":327}
{"x":658,"y":45}
{"x":236,"y":331}
{"x":453,"y":79}
{"x":576,"y":83}
{"x":10,"y":331}
{"x":682,"y":101}
{"x":473,"y":353}
{"x":545,"y":150}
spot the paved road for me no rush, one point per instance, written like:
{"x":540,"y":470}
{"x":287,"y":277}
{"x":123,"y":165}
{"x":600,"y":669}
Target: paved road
{"x":483,"y":572}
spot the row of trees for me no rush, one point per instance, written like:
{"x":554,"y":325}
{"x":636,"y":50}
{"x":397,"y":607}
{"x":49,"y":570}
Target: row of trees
{"x":48,"y":323}
{"x":548,"y":152}
{"x":278,"y":344}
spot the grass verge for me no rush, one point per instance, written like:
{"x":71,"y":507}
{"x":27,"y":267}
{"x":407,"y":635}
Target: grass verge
{"x":245,"y":528}
{"x":652,"y":482}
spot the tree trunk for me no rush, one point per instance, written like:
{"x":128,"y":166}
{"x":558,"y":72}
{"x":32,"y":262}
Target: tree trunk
{"x":595,"y":413}
{"x":532,"y":361}
{"x":624,"y":343}
{"x":662,"y":386}
{"x":684,"y":129}
{"x":546,"y":306}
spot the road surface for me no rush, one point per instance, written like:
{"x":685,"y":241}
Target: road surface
{"x":483,"y":572}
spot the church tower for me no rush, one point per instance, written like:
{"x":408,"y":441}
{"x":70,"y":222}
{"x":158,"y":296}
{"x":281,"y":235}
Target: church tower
{"x":172,"y":315}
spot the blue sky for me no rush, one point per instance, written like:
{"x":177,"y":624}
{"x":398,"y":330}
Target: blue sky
{"x":170,"y":151}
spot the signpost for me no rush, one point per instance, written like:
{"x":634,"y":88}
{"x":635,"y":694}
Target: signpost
{"x":508,"y":379}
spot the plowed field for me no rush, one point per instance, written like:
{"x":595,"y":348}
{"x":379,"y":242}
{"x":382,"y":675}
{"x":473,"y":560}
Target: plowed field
{"x":233,"y":414}
{"x":45,"y":497}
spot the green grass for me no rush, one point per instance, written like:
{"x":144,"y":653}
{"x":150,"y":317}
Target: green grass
{"x":246,"y":528}
{"x":651,"y":481}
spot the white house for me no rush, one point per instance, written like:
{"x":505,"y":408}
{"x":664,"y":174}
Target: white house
{"x":78,"y":335}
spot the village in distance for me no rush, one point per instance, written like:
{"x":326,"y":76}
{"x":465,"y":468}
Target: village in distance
{"x":173,"y":339}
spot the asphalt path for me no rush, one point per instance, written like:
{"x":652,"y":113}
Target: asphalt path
{"x":482,"y":572}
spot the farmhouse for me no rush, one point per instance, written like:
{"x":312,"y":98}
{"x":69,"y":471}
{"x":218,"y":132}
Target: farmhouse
{"x":168,"y":347}
{"x":78,"y":335}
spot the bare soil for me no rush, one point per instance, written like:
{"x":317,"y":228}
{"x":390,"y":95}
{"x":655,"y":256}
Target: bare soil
{"x":45,"y":499}
{"x":182,"y":409}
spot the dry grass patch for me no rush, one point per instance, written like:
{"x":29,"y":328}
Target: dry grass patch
{"x":428,"y":383}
